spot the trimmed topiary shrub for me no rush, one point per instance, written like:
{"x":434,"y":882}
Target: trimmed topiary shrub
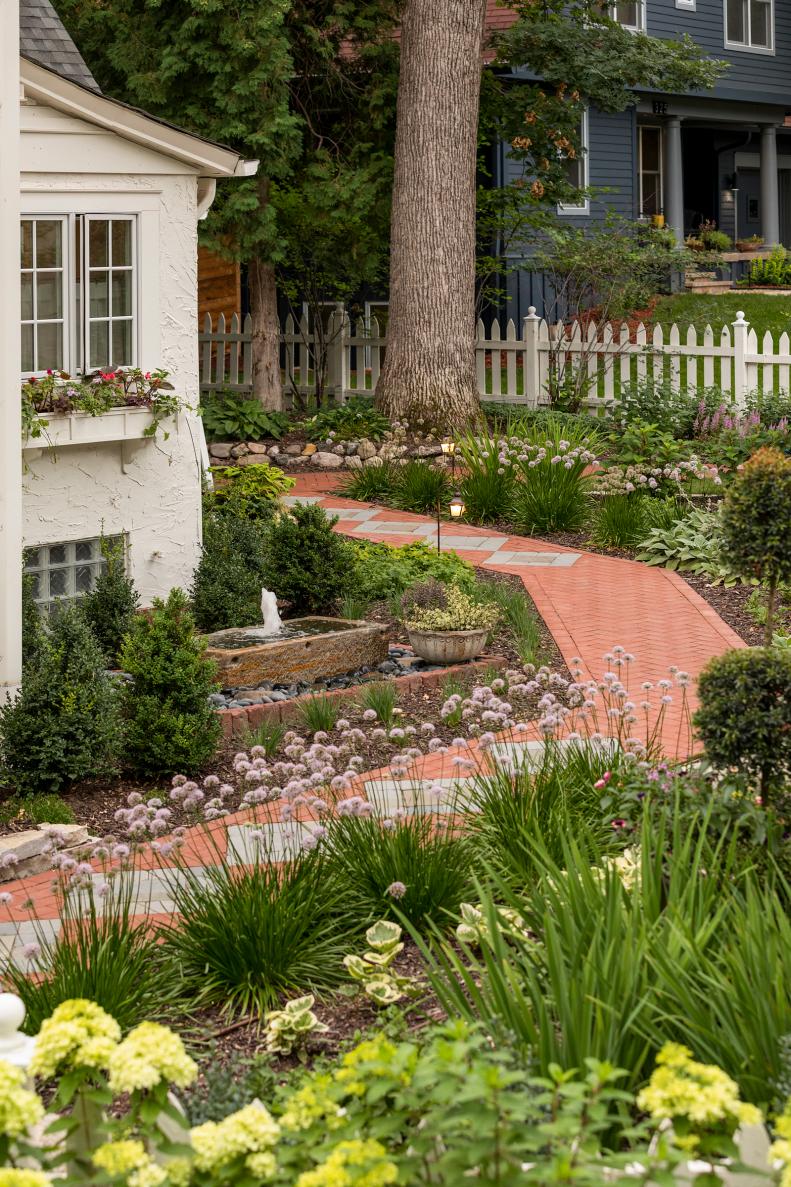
{"x":170,"y":725}
{"x":744,"y":719}
{"x":756,"y":524}
{"x":226,"y":586}
{"x":307,"y":564}
{"x":64,"y":723}
{"x":110,"y":607}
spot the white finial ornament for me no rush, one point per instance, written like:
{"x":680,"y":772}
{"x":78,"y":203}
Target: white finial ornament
{"x":15,"y":1047}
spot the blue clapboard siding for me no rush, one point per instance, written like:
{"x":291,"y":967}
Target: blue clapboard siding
{"x":612,"y":166}
{"x":755,"y":77}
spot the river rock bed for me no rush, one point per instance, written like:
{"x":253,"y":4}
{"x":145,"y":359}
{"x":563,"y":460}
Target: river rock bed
{"x":400,"y":662}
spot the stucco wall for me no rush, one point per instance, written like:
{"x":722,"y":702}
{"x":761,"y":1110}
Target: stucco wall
{"x":150,"y":490}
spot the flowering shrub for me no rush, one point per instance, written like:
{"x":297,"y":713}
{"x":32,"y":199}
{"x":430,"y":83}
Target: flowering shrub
{"x":60,"y":393}
{"x":435,"y":1109}
{"x":731,"y":436}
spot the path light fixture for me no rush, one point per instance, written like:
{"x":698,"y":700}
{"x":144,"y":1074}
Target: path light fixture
{"x":448,"y":447}
{"x":456,"y":508}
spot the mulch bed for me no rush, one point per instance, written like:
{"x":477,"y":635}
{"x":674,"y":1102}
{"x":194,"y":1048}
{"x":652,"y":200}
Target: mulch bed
{"x":222,"y":1046}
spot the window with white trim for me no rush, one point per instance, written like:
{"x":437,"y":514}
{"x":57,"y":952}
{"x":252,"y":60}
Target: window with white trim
{"x":749,"y":24}
{"x":576,"y":170}
{"x":79,"y":281}
{"x":66,"y":572}
{"x":650,"y":169}
{"x":630,"y":14}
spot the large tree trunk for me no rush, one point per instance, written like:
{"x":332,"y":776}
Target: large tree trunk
{"x":267,"y":384}
{"x":429,"y":368}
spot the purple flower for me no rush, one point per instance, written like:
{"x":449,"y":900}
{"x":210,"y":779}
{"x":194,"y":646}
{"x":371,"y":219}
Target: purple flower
{"x":396,"y":890}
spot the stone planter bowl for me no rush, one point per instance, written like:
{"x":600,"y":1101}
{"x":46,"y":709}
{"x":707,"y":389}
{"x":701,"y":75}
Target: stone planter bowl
{"x":447,"y":647}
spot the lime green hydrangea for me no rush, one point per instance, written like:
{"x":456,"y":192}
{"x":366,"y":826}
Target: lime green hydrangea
{"x":130,"y":1159}
{"x":311,"y":1103}
{"x":18,"y":1178}
{"x":780,"y":1150}
{"x":249,"y":1132}
{"x":148,"y":1055}
{"x":370,"y":1059}
{"x":699,"y":1092}
{"x":19,"y":1107}
{"x":78,"y":1034}
{"x":357,"y":1163}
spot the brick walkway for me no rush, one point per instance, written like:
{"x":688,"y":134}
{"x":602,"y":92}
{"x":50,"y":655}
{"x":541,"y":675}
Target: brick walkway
{"x":589,"y":602}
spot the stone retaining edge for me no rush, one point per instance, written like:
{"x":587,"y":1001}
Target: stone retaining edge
{"x":236,"y":722}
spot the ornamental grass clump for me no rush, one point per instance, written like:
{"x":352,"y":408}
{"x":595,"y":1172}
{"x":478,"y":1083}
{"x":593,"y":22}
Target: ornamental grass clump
{"x":403,"y":866}
{"x":756,"y":525}
{"x":170,"y":725}
{"x":254,"y":928}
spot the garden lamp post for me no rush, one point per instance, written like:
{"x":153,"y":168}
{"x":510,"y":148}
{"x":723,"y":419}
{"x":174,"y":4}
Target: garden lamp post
{"x":449,"y":451}
{"x":456,"y":508}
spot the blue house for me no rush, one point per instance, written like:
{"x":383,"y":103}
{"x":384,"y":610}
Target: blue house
{"x":723,"y":155}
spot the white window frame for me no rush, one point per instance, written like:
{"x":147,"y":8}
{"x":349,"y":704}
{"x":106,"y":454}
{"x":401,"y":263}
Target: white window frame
{"x":641,"y":25}
{"x":86,"y":318}
{"x":76,"y":329}
{"x":657,"y":127}
{"x":67,"y":271}
{"x":583,"y":207}
{"x":747,"y":46}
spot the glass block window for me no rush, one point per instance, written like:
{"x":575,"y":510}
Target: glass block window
{"x":65,"y":572}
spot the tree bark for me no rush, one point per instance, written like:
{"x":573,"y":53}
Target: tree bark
{"x":429,"y":368}
{"x":267,"y":383}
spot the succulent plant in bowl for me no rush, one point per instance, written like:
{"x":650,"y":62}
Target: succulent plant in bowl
{"x":445,"y":625}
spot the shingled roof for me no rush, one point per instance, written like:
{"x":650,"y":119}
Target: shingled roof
{"x":43,"y":39}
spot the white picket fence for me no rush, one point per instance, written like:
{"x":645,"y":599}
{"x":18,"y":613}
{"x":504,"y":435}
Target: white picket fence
{"x":517,"y":368}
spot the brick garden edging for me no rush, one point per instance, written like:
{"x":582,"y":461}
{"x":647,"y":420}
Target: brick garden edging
{"x":236,"y":722}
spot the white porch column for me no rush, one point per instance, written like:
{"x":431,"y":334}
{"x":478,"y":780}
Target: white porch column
{"x":674,"y":178}
{"x":770,"y":204}
{"x":10,"y":360}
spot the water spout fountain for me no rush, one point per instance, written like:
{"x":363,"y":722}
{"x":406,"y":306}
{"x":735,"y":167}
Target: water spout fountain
{"x":301,"y":649}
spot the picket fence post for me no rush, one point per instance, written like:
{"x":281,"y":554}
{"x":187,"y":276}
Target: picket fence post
{"x":338,"y":368}
{"x":741,"y":329}
{"x":531,"y":367}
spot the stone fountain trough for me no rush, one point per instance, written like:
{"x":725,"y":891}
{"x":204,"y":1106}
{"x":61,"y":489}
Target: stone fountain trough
{"x":306,"y":649}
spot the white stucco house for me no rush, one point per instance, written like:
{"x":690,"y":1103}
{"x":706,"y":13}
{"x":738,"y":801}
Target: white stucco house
{"x":105,"y":235}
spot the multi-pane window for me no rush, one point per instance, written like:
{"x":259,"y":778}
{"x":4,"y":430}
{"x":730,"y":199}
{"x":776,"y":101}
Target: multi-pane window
{"x":65,"y":572}
{"x":749,"y":24}
{"x":68,"y":324}
{"x":630,"y":14}
{"x":576,"y":169}
{"x":650,"y":169}
{"x":44,"y":293}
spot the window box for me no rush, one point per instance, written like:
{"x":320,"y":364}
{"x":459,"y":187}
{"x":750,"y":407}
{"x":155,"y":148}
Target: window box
{"x":80,"y":428}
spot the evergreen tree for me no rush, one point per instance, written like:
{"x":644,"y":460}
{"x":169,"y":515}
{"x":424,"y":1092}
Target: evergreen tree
{"x":109,"y":608}
{"x":64,"y":724}
{"x":170,"y":725}
{"x":226,"y":586}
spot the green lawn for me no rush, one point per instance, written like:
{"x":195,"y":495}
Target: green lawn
{"x":763,"y":312}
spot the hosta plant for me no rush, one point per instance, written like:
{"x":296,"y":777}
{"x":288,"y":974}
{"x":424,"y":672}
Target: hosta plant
{"x":289,"y":1029}
{"x":373,"y":969}
{"x":693,"y":544}
{"x":475,"y":926}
